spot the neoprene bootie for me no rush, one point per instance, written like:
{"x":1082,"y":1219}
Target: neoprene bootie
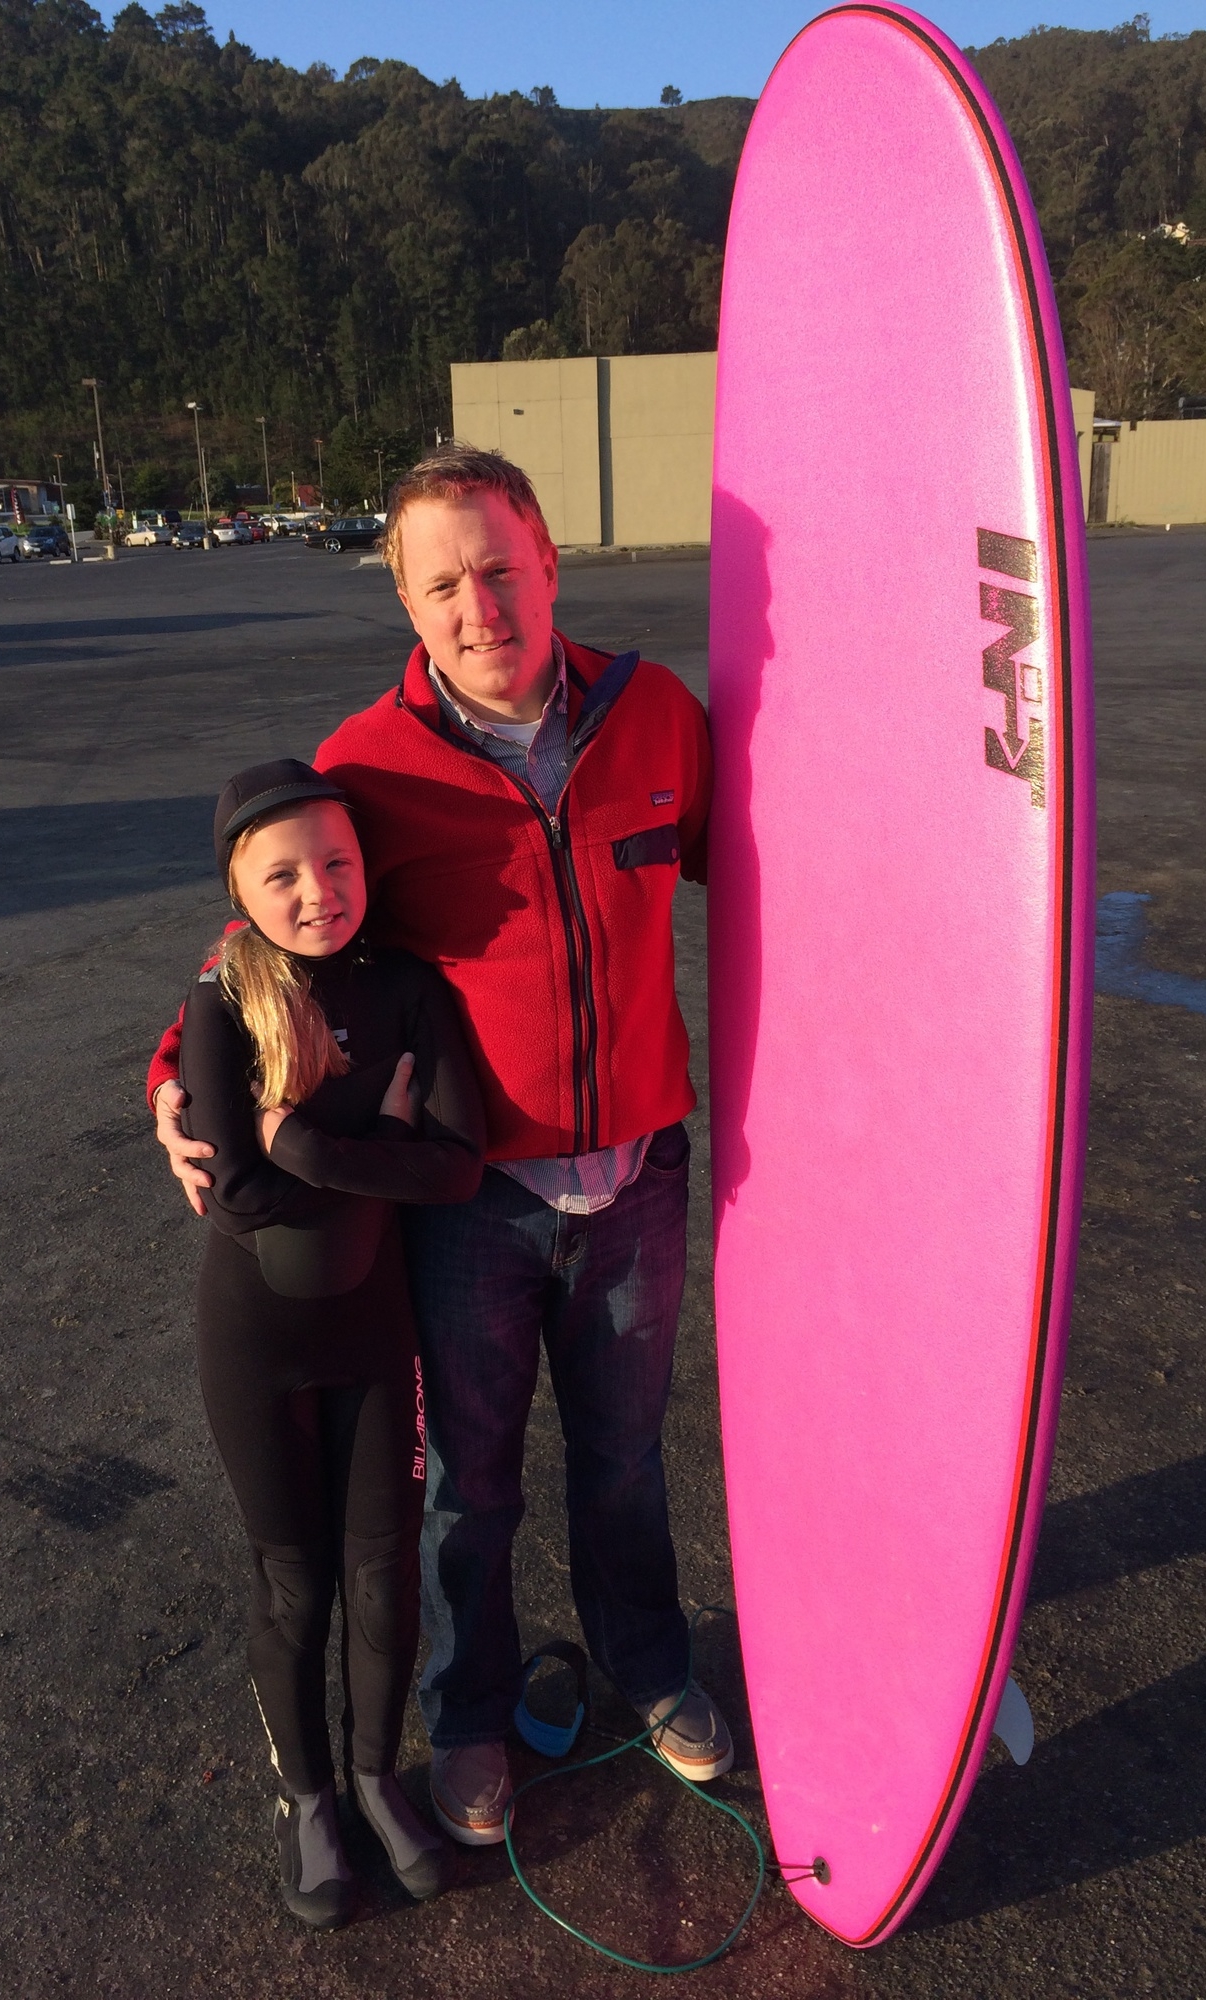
{"x":418,"y":1857}
{"x":316,"y":1881}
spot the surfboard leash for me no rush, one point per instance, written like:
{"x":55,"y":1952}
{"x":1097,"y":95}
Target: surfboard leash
{"x":552,"y":1741}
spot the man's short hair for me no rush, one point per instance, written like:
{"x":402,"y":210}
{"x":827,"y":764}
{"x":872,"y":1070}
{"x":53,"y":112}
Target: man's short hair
{"x":449,"y":473}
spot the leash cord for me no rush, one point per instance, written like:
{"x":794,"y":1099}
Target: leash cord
{"x":641,"y":1741}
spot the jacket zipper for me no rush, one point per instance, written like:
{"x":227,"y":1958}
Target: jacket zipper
{"x":577,"y":945}
{"x":577,"y":940}
{"x":590,"y":1053}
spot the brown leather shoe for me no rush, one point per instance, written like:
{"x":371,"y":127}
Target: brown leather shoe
{"x":696,"y":1741}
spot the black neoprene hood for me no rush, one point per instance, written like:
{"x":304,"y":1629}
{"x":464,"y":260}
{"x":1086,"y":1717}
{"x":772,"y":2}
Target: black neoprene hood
{"x":261,"y":788}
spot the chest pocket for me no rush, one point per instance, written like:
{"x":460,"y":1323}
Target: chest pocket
{"x":643,"y":850}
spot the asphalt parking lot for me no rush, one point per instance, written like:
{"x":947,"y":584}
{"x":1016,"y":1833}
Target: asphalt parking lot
{"x":134,"y":1842}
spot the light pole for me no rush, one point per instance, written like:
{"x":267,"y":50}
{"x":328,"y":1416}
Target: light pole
{"x":318,"y":449}
{"x":380,"y":485}
{"x":263,"y":424}
{"x":90,"y":382}
{"x":195,"y":408}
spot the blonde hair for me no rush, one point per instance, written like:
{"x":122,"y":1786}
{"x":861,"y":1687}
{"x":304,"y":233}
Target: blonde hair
{"x":451,"y":472}
{"x":294,"y":1047}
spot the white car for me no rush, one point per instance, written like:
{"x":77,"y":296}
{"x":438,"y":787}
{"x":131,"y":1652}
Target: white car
{"x":147,"y":538}
{"x":10,"y":546}
{"x":231,"y":532}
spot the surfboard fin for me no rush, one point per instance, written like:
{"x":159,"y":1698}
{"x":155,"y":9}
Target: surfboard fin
{"x":1015,"y":1724}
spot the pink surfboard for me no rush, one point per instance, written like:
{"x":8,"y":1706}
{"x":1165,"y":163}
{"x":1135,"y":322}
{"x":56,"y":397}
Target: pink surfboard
{"x":900,"y":904}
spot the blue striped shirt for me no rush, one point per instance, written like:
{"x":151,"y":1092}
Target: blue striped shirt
{"x":539,"y":753}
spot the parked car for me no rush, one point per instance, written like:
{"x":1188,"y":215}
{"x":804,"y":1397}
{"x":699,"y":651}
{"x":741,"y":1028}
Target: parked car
{"x":189,"y":535}
{"x":50,"y":540}
{"x":150,"y":517}
{"x":10,"y":546}
{"x":257,"y":530}
{"x":148,"y":538}
{"x":228,"y":533}
{"x":353,"y":531}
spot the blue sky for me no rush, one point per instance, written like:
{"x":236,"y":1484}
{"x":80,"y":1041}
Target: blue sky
{"x":608,"y":52}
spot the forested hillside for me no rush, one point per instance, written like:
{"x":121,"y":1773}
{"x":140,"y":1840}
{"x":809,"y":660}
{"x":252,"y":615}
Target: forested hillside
{"x":185,"y":220}
{"x":1111,"y":128}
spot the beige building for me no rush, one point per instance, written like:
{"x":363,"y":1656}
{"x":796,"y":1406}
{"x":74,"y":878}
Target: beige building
{"x":1149,"y":474}
{"x":1083,"y":402}
{"x":545,"y":416}
{"x":619,"y":449}
{"x":1141,"y":474}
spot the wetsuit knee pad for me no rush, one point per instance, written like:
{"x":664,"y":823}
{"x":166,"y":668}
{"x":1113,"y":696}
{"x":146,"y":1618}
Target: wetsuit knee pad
{"x":383,"y":1597}
{"x":299,"y":1592}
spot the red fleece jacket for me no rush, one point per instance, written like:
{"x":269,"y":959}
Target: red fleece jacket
{"x":553,"y":930}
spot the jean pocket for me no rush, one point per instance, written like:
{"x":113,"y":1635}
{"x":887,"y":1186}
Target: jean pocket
{"x":669,"y":1152}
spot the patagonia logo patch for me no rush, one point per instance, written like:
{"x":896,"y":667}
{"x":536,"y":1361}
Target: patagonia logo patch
{"x":661,"y":798}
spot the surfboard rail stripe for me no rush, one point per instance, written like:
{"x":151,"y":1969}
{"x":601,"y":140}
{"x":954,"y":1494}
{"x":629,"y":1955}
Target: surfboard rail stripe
{"x":1062,"y":982}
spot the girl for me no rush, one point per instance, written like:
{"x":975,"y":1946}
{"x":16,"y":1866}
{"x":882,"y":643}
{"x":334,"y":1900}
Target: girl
{"x":335,"y":1083}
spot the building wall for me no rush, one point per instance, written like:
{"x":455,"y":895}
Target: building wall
{"x":619,"y":450}
{"x":1158,"y":473}
{"x":660,"y":410}
{"x":1083,"y":404}
{"x":545,"y":416}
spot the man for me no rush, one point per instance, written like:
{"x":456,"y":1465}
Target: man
{"x":525,"y":807}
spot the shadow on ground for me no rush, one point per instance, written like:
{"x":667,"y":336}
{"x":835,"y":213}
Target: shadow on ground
{"x":166,"y":625}
{"x":1097,"y":1538}
{"x":1124,"y":1784}
{"x":53,"y":856}
{"x":87,"y":1493}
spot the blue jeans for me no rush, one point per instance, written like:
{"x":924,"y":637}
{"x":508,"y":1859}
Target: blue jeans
{"x":490,"y":1279}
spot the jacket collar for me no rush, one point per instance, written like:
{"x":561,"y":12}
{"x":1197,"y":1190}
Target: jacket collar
{"x":477,"y":727}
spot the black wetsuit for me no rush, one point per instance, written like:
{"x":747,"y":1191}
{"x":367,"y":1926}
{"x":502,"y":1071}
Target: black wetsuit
{"x":306,"y":1342}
